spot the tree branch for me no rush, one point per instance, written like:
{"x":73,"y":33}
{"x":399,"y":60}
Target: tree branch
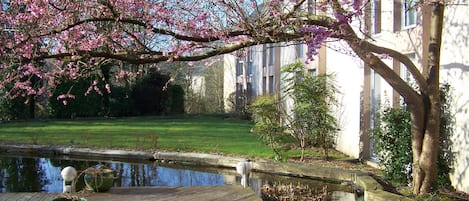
{"x":365,"y":49}
{"x":144,"y":25}
{"x":416,"y":74}
{"x":153,"y":58}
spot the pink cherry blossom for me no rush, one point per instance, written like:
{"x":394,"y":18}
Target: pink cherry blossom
{"x":61,"y":40}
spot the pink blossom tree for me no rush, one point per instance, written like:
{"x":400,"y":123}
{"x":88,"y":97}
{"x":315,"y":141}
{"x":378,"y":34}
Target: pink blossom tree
{"x":74,"y":36}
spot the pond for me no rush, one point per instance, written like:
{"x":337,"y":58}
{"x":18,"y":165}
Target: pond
{"x":42,"y":173}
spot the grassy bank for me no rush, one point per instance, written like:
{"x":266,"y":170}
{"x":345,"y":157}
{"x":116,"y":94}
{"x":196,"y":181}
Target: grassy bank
{"x":200,"y":134}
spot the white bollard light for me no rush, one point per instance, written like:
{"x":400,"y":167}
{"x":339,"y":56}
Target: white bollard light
{"x":68,"y":175}
{"x":244,"y":169}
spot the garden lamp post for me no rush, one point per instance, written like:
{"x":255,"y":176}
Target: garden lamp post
{"x":244,"y":168}
{"x":68,"y":175}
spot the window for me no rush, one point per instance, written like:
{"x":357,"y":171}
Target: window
{"x":248,"y":92}
{"x":375,"y":16}
{"x":312,"y":6}
{"x":249,"y":70}
{"x":375,"y":102}
{"x":271,"y":55}
{"x":299,"y":50}
{"x":239,"y":67}
{"x":375,"y":95}
{"x":250,"y":54}
{"x":239,"y":94}
{"x":264,"y":56}
{"x":409,"y":13}
{"x":264,"y":87}
{"x":271,"y":84}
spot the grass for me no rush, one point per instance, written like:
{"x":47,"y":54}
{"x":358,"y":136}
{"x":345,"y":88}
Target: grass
{"x":198,"y":134}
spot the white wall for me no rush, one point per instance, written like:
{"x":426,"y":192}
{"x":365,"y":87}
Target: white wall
{"x":198,"y":84}
{"x":229,"y":80}
{"x":257,"y":70}
{"x":348,"y":73}
{"x":288,"y":56}
{"x":455,"y":70}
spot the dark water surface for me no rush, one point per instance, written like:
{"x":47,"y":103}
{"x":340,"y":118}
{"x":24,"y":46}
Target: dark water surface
{"x":36,"y":174}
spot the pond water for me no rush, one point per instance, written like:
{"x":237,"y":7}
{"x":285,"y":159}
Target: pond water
{"x":36,"y":174}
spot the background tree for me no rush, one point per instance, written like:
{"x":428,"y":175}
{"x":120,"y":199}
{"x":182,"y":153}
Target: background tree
{"x":214,"y":88}
{"x":148,"y":32}
{"x":313,"y":121}
{"x":153,"y":94}
{"x":202,"y":82}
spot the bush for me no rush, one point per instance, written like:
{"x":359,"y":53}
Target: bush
{"x":265,"y":110}
{"x":22,"y":106}
{"x":175,"y":100}
{"x":120,"y":102}
{"x":445,"y":155}
{"x":314,"y":98}
{"x":154,"y":95}
{"x":393,"y":141}
{"x":83,"y":105}
{"x":13,"y":109}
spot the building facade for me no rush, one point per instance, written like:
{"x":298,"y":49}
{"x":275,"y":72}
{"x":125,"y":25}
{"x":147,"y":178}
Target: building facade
{"x":395,"y":24}
{"x":401,"y":26}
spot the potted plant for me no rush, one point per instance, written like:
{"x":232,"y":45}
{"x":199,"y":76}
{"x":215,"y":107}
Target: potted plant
{"x":99,"y":178}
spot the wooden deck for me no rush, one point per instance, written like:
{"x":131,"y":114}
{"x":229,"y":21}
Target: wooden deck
{"x":199,"y":193}
{"x":27,"y":196}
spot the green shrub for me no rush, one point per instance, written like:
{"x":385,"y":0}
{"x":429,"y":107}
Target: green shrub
{"x":392,"y":137}
{"x":175,"y":100}
{"x":13,"y":109}
{"x":22,"y":106}
{"x":393,"y":141}
{"x":120,"y":103}
{"x":445,"y":155}
{"x":268,"y":126}
{"x":155,"y":95}
{"x":83,"y":105}
{"x":314,"y":98}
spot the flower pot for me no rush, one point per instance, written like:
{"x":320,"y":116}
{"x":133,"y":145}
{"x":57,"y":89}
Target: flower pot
{"x":99,"y":180}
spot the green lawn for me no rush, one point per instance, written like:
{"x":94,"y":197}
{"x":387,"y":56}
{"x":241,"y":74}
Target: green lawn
{"x":198,"y":134}
{"x":204,"y":134}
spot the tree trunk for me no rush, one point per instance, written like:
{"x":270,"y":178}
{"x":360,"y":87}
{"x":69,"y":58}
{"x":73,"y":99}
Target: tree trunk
{"x":425,"y":143}
{"x":32,"y":99}
{"x":426,"y":117}
{"x":303,"y":146}
{"x":32,"y":106}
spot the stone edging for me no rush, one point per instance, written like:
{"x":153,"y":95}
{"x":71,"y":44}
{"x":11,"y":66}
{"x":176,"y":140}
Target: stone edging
{"x":372,"y":189}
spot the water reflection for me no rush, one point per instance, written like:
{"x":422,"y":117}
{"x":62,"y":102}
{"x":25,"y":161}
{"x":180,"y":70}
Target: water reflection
{"x":153,"y":175}
{"x":23,"y":174}
{"x":34,"y":174}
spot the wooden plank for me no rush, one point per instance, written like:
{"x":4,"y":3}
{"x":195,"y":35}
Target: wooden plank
{"x":234,"y":193}
{"x":27,"y":196}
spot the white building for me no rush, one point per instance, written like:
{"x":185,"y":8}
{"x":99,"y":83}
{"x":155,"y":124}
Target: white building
{"x":391,"y":24}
